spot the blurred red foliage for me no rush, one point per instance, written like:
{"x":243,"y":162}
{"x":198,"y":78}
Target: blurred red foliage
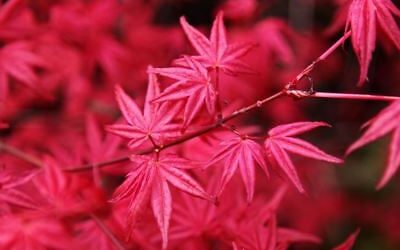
{"x":204,"y":153}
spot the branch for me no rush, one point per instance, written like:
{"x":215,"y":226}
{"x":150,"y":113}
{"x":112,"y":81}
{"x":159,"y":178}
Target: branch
{"x":354,"y":96}
{"x":326,"y":95}
{"x":20,"y":154}
{"x":322,"y":57}
{"x":184,"y":138}
{"x":284,"y":92}
{"x":118,"y":244}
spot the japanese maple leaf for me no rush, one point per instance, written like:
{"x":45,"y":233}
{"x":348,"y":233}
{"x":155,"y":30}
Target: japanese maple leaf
{"x":387,"y":121}
{"x":274,"y":36}
{"x":16,"y":20}
{"x":149,"y":180}
{"x":215,"y":52}
{"x":257,"y":236}
{"x":199,"y":219}
{"x":193,"y":86}
{"x":242,"y":153}
{"x":280,"y":141}
{"x":99,"y":147}
{"x":63,"y":194}
{"x":18,"y":61}
{"x":10,"y":193}
{"x":21,"y":232}
{"x":152,"y":124}
{"x":258,"y":229}
{"x":349,"y":242}
{"x":89,"y":24}
{"x":92,"y":235}
{"x":362,"y":21}
{"x":193,"y":218}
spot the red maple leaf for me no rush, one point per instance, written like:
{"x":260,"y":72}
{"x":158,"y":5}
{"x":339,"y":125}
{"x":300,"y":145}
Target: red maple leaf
{"x":16,"y":20}
{"x":95,"y":232}
{"x":240,"y":153}
{"x":25,"y":231}
{"x":199,"y":219}
{"x":280,"y":140}
{"x":362,"y":20}
{"x":63,"y":194}
{"x":99,"y":147}
{"x":215,"y":52}
{"x":193,"y":85}
{"x":10,"y":193}
{"x":151,"y":125}
{"x":259,"y":228}
{"x":150,"y":179}
{"x":385,"y":122}
{"x":18,"y":61}
{"x":275,"y":36}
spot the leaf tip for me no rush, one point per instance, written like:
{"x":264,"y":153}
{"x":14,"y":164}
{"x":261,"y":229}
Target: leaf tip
{"x":351,"y":149}
{"x":220,"y":15}
{"x":382,"y":183}
{"x":150,"y":69}
{"x":118,"y":89}
{"x":183,"y":21}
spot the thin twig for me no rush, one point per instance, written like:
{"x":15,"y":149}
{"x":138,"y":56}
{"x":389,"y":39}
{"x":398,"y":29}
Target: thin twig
{"x":20,"y":154}
{"x":184,"y":138}
{"x":300,"y":94}
{"x":322,"y":57}
{"x":354,"y":96}
{"x":107,"y":232}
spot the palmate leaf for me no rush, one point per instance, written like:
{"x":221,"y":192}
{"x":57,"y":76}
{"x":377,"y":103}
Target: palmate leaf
{"x":194,"y":217}
{"x":280,"y":141}
{"x":150,"y":181}
{"x":241,"y":153}
{"x":215,"y":52}
{"x":100,"y":146}
{"x":92,"y":236}
{"x":161,"y":203}
{"x":154,"y":122}
{"x":9,"y":189}
{"x":363,"y":18}
{"x":193,"y":85}
{"x":34,"y":232}
{"x":18,"y":61}
{"x":387,"y":121}
{"x":259,"y":228}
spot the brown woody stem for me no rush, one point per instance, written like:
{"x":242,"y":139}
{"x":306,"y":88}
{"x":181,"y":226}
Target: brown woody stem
{"x":322,"y":57}
{"x":184,"y":138}
{"x":117,"y":243}
{"x":20,"y":154}
{"x":284,"y":92}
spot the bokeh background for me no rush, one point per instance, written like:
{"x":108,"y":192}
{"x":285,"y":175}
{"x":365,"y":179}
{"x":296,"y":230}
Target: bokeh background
{"x":86,"y":47}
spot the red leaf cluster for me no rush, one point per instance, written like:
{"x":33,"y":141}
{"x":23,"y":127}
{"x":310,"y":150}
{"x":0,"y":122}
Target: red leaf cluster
{"x":100,"y":150}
